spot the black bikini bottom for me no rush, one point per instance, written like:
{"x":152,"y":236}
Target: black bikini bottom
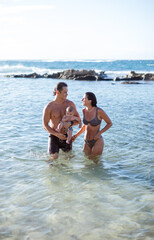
{"x":91,"y":143}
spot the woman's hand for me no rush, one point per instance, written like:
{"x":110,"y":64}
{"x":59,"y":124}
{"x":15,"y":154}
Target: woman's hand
{"x":97,"y":136}
{"x":79,"y":133}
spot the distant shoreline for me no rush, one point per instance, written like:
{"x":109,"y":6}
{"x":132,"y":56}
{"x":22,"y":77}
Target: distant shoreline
{"x":87,"y":75}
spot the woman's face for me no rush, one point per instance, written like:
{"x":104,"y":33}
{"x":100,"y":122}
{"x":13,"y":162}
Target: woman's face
{"x":85,"y":100}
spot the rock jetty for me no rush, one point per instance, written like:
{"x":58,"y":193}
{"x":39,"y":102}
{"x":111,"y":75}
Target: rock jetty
{"x":89,"y":75}
{"x":133,"y":76}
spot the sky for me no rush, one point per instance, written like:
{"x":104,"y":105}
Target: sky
{"x":76,"y":29}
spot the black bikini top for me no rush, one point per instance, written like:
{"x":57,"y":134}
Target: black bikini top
{"x":94,"y":122}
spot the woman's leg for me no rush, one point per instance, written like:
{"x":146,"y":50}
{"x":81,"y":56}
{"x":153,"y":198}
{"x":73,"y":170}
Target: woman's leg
{"x":86,"y":148}
{"x":98,"y":147}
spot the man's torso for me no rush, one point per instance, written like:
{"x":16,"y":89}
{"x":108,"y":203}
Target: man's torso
{"x":57,"y":111}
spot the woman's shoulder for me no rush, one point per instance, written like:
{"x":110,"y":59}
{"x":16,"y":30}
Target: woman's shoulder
{"x":83,"y":110}
{"x":100,"y":110}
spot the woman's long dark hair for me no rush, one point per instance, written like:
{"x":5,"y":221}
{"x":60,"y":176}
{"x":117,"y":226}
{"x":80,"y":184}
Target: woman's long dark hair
{"x":91,"y":96}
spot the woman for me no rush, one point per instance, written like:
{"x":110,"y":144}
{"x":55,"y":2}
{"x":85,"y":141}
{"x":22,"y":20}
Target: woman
{"x":92,"y":118}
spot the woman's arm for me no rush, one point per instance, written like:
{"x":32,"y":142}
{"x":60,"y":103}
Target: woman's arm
{"x":79,"y":133}
{"x":105,"y":117}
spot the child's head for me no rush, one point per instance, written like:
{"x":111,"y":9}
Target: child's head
{"x":70,"y":111}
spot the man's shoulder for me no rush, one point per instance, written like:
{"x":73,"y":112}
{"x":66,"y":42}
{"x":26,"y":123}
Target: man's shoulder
{"x":69,"y":102}
{"x":50,"y":105}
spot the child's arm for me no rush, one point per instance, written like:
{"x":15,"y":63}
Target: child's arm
{"x":70,"y":118}
{"x":77,"y":119}
{"x":65,"y":118}
{"x":74,"y":118}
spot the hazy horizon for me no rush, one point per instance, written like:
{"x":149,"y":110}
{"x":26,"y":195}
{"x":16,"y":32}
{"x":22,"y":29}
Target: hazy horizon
{"x":78,"y":30}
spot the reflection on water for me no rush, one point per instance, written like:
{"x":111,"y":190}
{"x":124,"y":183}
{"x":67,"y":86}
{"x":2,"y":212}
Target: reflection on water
{"x":73,"y":197}
{"x":76,"y":197}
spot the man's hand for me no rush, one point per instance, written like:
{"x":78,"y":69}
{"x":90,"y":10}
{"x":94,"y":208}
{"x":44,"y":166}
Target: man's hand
{"x":61,"y":136}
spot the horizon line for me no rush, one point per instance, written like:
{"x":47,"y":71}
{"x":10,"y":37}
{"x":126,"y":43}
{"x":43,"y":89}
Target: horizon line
{"x":78,"y":60}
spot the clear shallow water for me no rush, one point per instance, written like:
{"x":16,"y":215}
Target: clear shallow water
{"x":74,"y":198}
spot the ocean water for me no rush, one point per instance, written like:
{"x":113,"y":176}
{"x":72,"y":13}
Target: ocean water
{"x":75,"y":198}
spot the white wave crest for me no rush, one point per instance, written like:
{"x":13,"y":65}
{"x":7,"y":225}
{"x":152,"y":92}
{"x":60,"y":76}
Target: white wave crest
{"x":19,"y":68}
{"x":78,"y":60}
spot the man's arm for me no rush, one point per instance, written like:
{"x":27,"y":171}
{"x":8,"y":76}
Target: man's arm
{"x":46,"y":120}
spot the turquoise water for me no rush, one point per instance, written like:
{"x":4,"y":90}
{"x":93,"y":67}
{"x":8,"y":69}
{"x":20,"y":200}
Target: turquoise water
{"x":75,"y":198}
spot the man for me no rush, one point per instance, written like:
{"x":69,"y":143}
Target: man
{"x":53,"y":113}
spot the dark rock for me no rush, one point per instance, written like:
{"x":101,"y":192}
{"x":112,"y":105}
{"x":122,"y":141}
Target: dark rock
{"x":148,"y":77}
{"x":86,"y":77}
{"x":54,"y":75}
{"x":78,"y":74}
{"x":102,"y":76}
{"x":132,"y":77}
{"x":144,"y":76}
{"x":136,"y":75}
{"x":89,"y":75}
{"x":129,"y":82}
{"x":31,"y":75}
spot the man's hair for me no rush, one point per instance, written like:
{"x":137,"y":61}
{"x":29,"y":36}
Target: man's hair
{"x":91,"y":96}
{"x":70,"y":109}
{"x":59,"y":87}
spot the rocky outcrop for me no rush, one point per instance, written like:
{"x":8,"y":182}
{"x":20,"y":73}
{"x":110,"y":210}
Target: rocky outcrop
{"x":129,"y":82}
{"x":148,"y":77}
{"x":102,"y":76}
{"x":89,"y":75}
{"x":78,"y":74}
{"x":31,"y":75}
{"x":136,"y":75}
{"x":145,"y":76}
{"x":133,"y":76}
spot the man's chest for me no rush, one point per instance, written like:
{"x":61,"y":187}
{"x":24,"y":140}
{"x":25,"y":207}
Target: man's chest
{"x":58,"y":112}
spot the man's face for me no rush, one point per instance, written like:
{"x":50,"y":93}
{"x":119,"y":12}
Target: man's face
{"x":63,"y":94}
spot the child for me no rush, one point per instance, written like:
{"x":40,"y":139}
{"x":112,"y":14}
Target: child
{"x":69,"y":117}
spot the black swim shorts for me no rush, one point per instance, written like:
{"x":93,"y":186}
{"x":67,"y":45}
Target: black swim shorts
{"x":55,"y":144}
